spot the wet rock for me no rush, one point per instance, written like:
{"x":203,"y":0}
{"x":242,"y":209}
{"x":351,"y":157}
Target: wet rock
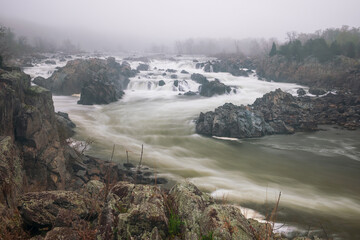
{"x":64,"y":125}
{"x":232,"y":121}
{"x":50,"y":62}
{"x":50,"y":209}
{"x":301,"y":92}
{"x":199,"y":78}
{"x":134,"y":212}
{"x":99,"y":93}
{"x":229,"y":65}
{"x":214,"y":88}
{"x":184,"y":72}
{"x":190,"y":93}
{"x":161,"y":83}
{"x":173,"y":76}
{"x":317,"y":91}
{"x":171,"y":70}
{"x":143,"y":67}
{"x":176,"y":83}
{"x":78,"y":73}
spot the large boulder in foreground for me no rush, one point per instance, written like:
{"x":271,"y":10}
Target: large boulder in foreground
{"x":56,"y":209}
{"x":134,"y":212}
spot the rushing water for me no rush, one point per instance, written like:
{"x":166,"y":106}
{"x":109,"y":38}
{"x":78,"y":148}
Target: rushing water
{"x":317,"y":173}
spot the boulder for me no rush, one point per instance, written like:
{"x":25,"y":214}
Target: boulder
{"x":184,"y":72}
{"x":173,"y":76}
{"x":143,"y":67}
{"x":78,"y":73}
{"x":99,"y":93}
{"x":199,"y":78}
{"x":190,"y":93}
{"x":317,"y":91}
{"x":50,"y":62}
{"x":214,"y":88}
{"x":171,"y":70}
{"x":229,"y":65}
{"x":189,"y":204}
{"x":301,"y":92}
{"x":161,"y":83}
{"x":55,"y":209}
{"x":176,"y":83}
{"x":134,"y":212}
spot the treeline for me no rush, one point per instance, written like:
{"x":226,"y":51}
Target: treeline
{"x":15,"y":46}
{"x":323,"y":45}
{"x":249,"y":47}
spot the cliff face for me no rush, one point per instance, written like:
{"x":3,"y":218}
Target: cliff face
{"x":29,"y":136}
{"x":339,"y":73}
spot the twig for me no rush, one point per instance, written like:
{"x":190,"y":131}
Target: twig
{"x":127,"y":156}
{"x":142,"y":151}
{"x":112,"y":154}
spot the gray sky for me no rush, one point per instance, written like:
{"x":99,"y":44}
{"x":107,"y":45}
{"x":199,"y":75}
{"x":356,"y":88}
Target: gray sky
{"x":163,"y":20}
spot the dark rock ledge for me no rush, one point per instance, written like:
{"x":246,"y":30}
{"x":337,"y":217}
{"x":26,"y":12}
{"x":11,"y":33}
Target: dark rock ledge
{"x":278,"y":112}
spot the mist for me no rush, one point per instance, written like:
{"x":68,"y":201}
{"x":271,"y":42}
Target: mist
{"x":142,"y":25}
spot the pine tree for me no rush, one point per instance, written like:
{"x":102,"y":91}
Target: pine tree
{"x":273,"y":50}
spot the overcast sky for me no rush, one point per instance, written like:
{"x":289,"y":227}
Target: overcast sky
{"x":158,"y":20}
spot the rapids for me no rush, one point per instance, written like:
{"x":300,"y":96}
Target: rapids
{"x":317,"y":173}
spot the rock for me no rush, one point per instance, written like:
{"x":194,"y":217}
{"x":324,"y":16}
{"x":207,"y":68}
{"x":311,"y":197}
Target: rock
{"x":50,"y":62}
{"x":161,"y":83}
{"x":171,"y":70}
{"x":317,"y":91}
{"x":62,"y":60}
{"x":301,"y":92}
{"x":11,"y":172}
{"x":95,"y":188}
{"x":214,"y":88}
{"x":278,"y":112}
{"x":184,"y":72}
{"x":138,"y":59}
{"x":173,"y":76}
{"x":190,"y":93}
{"x":27,"y":116}
{"x":64,"y":125}
{"x":232,"y":121}
{"x":226,"y":222}
{"x":134,"y":212}
{"x":229,"y":65}
{"x":189,"y":204}
{"x":62,"y":233}
{"x":99,"y":93}
{"x":55,"y":208}
{"x":142,"y":67}
{"x":199,"y":78}
{"x":78,"y":73}
{"x":176,"y":83}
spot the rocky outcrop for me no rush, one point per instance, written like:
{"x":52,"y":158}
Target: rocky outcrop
{"x":317,"y":91}
{"x":341,"y":73}
{"x":27,"y":116}
{"x":80,"y":73}
{"x":280,"y":113}
{"x":212,"y":88}
{"x":229,"y":66}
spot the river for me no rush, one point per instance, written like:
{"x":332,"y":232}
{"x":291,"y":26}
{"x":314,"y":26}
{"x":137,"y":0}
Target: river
{"x":317,"y":173}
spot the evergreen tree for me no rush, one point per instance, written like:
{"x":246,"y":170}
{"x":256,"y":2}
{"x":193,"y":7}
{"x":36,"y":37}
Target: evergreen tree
{"x":273,"y":50}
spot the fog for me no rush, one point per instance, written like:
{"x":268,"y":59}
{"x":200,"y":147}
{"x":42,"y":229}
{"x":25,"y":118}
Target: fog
{"x":141,"y":24}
